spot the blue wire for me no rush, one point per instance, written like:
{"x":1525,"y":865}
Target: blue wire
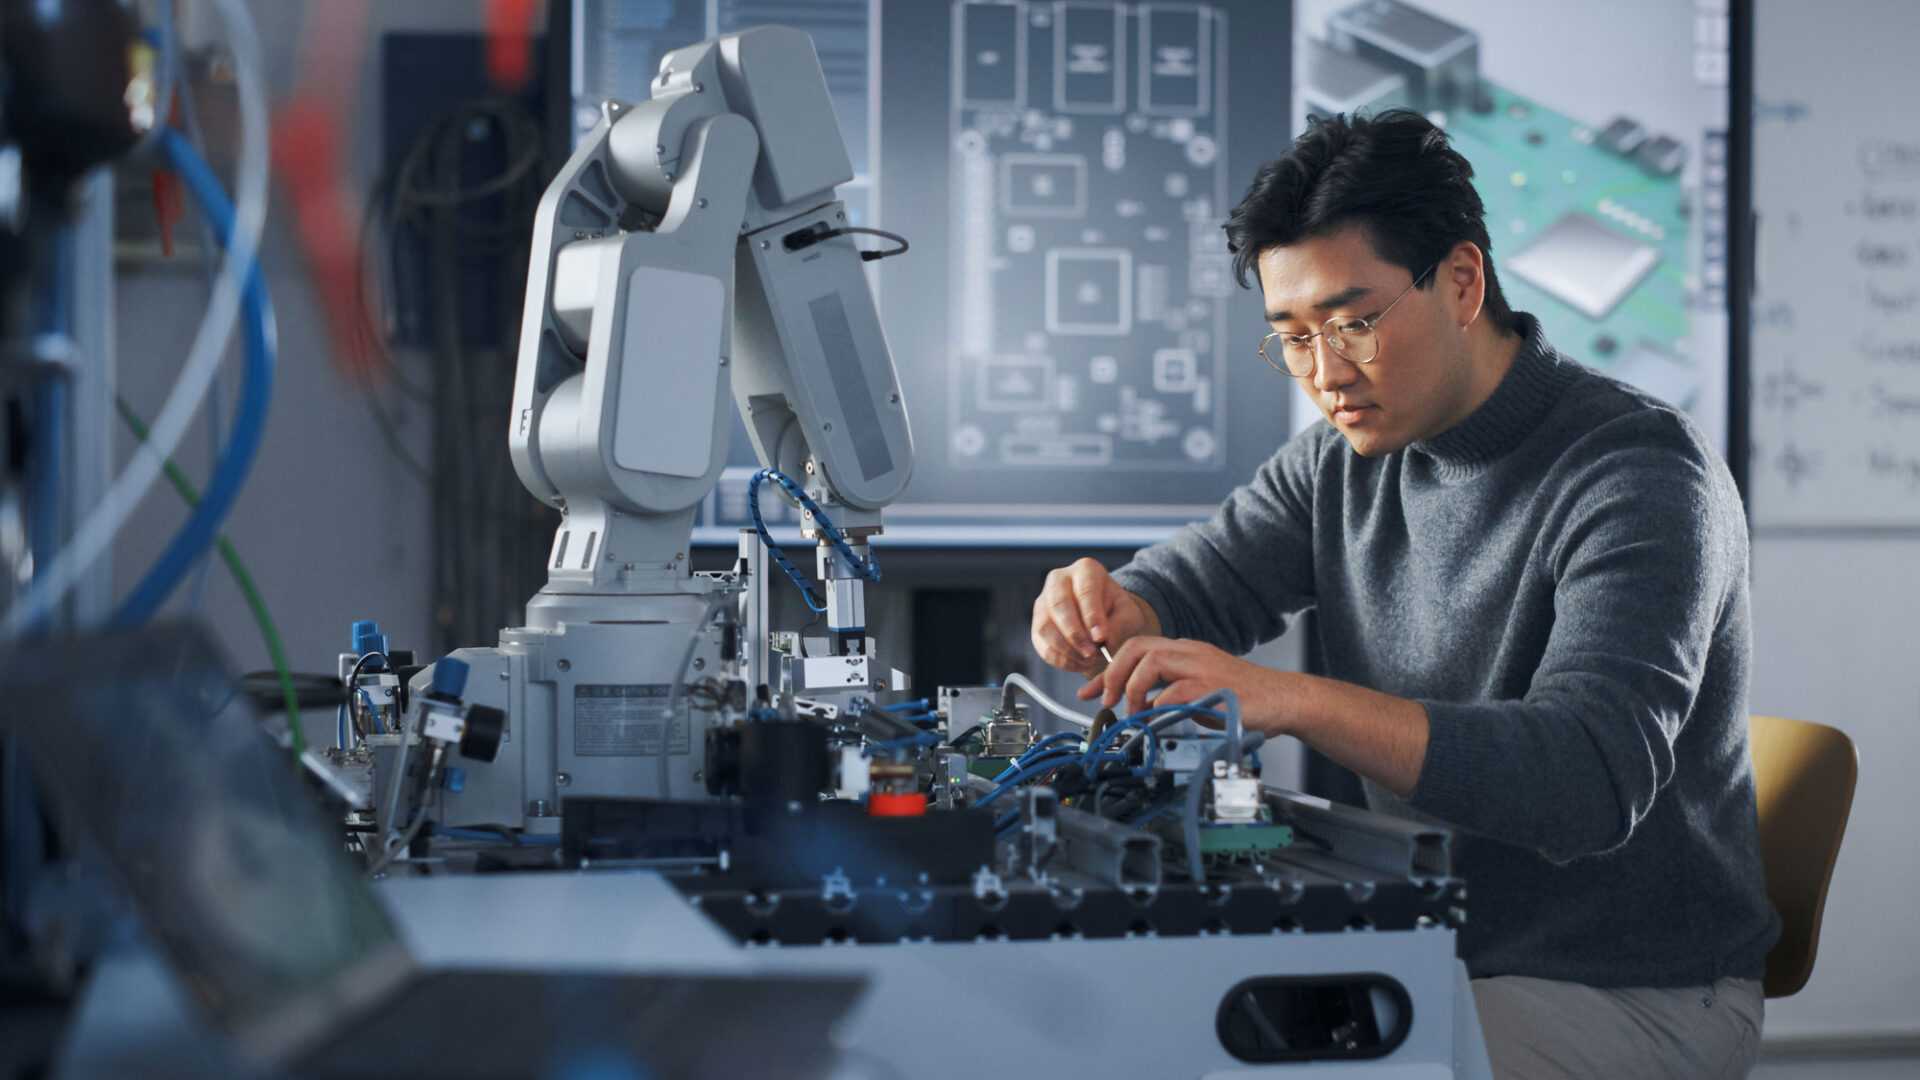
{"x":867,"y":567}
{"x":1107,"y":737}
{"x":203,"y":527}
{"x":917,"y":704}
{"x":1052,"y":740}
{"x":1015,"y":776}
{"x":925,"y":738}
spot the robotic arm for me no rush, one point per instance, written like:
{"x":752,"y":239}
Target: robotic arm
{"x":694,"y":242}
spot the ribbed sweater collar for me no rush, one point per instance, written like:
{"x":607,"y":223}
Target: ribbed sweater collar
{"x":1527,"y":393}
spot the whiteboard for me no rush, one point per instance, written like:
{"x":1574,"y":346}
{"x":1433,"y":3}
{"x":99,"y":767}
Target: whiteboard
{"x":1835,"y":368}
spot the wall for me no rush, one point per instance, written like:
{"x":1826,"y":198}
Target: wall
{"x":1834,"y":609}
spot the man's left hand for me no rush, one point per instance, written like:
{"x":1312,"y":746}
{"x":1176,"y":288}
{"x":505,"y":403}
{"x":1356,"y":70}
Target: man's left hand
{"x":1186,"y":671}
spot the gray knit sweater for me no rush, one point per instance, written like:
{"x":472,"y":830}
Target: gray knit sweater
{"x":1561,"y":580}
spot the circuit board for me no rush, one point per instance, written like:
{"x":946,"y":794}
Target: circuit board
{"x":1089,"y":269}
{"x":1600,"y":226}
{"x":1538,"y":170}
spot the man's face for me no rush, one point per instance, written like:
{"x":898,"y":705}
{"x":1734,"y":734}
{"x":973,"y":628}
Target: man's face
{"x":1418,"y":379}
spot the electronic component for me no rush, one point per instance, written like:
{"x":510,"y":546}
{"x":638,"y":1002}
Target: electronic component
{"x":852,"y":776}
{"x":1244,"y":839}
{"x":1622,"y":135}
{"x":1335,"y":82}
{"x":1236,"y":794}
{"x":1439,"y":59}
{"x":1662,"y":155}
{"x":962,"y":708}
{"x":1006,"y":732}
{"x":1584,"y":264}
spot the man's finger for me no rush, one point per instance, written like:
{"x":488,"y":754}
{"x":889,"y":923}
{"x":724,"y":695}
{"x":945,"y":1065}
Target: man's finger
{"x":1090,"y":587}
{"x":1180,"y":693}
{"x":1114,"y":680}
{"x":1145,"y":676}
{"x":1066,"y":618}
{"x":1053,"y":648}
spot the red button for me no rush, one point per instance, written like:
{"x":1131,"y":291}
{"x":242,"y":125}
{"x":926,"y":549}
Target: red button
{"x":887,"y":804}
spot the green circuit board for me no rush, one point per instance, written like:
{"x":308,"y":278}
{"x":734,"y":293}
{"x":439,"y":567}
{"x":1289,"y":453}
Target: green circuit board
{"x":1534,"y":167}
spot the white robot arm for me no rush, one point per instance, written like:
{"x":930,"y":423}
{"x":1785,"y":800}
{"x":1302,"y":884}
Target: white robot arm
{"x":694,"y":242}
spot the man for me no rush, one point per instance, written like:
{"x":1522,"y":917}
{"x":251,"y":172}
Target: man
{"x":1532,"y":586}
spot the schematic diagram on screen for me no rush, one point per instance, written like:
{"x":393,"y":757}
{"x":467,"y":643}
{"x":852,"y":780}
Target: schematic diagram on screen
{"x":1088,"y":268}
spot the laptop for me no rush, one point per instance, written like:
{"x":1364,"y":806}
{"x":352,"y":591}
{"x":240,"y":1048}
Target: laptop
{"x":154,"y":763}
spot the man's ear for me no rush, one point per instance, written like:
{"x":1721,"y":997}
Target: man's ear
{"x":1463,"y":276}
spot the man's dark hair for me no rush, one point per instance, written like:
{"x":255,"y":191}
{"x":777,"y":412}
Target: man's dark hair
{"x":1394,"y":174}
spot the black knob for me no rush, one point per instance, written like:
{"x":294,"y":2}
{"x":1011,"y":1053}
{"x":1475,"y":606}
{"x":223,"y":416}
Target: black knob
{"x":485,"y":727}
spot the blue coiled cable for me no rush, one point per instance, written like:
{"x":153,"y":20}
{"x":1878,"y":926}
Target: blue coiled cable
{"x":202,"y":528}
{"x":867,"y":568}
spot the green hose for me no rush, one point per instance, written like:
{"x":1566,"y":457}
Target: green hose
{"x":268,"y":631}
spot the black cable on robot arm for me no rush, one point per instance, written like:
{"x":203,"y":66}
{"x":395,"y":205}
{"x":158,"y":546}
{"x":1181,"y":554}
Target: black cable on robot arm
{"x":869,"y":256}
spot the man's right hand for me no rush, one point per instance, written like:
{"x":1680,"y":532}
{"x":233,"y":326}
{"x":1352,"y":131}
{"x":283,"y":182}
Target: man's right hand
{"x":1082,"y":608}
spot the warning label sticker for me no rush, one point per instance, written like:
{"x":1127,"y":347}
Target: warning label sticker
{"x":625,"y":721}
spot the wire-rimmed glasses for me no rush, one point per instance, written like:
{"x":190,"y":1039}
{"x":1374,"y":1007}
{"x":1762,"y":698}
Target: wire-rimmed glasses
{"x":1353,"y":338}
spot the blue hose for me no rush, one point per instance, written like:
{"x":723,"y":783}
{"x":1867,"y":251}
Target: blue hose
{"x":202,"y":529}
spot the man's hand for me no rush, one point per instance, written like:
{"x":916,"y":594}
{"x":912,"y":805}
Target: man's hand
{"x":1082,"y":608}
{"x":1185,"y":671}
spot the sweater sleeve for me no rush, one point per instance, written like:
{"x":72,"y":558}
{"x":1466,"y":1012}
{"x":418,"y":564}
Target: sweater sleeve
{"x":1234,"y":579}
{"x":1646,"y":556}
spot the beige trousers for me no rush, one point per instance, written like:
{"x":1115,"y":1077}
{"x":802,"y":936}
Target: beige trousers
{"x":1539,"y":1029}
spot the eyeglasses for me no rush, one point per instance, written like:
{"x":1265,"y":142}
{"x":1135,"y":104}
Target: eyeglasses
{"x":1352,"y":338}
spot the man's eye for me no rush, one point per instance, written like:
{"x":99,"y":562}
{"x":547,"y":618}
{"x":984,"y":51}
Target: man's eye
{"x":1351,"y":326}
{"x":1297,"y":342}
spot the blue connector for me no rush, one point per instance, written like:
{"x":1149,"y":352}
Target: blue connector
{"x":367,"y":638}
{"x":449,"y":679}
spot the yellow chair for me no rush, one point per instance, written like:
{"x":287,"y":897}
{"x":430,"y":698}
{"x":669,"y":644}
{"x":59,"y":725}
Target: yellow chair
{"x":1803,"y":775}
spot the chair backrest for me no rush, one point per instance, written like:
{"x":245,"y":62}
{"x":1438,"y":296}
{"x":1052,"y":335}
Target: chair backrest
{"x":1803,"y":776}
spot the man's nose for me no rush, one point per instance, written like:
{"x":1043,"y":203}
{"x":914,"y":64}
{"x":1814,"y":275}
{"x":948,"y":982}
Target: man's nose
{"x":1331,"y":370}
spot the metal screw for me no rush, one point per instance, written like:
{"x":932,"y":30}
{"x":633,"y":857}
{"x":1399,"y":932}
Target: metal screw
{"x":701,"y":202}
{"x":506,"y":676}
{"x":660,"y":148}
{"x":539,"y":808}
{"x":699,"y":775}
{"x":563,"y":779}
{"x":893,"y":398}
{"x":564,"y":665}
{"x":579,"y":234}
{"x":699,"y":663}
{"x":828,"y":426}
{"x":840,"y":215}
{"x":763,"y":245}
{"x":699,"y":88}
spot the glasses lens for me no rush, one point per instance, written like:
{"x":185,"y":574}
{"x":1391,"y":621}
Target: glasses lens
{"x":1273,"y":349}
{"x":1353,"y":339}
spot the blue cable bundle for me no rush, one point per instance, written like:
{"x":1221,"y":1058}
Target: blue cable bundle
{"x":867,"y":567}
{"x":202,"y":528}
{"x":1041,"y":759}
